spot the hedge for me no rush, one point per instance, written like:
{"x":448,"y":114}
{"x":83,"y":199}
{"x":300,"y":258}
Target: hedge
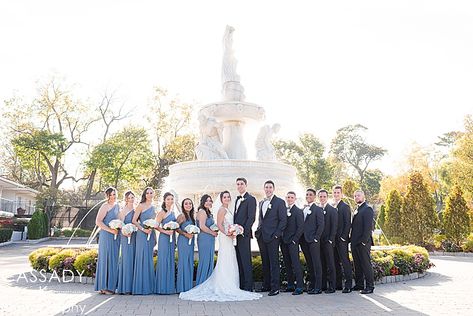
{"x":400,"y":260}
{"x":5,"y":234}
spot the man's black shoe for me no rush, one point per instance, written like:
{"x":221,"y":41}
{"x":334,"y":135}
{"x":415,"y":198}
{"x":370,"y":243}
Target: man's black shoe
{"x":314,"y":291}
{"x":346,"y":290}
{"x":366,"y":291}
{"x":329,"y":291}
{"x":272,"y":293}
{"x":357,"y":288}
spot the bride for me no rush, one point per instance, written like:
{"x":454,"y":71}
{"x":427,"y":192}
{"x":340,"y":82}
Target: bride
{"x":223,"y":285}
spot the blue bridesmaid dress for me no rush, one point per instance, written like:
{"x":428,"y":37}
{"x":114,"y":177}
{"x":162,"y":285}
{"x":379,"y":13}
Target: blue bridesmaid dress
{"x":106,"y":274}
{"x":185,"y":262}
{"x":166,"y":267}
{"x":127,"y":259}
{"x":206,"y":245}
{"x":143,"y":275}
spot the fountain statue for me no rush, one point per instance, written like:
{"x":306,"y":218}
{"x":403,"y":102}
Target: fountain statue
{"x":221,"y":150}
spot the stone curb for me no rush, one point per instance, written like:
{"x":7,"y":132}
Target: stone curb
{"x":31,"y":241}
{"x":6,"y":243}
{"x":67,"y":238}
{"x":452,"y":254}
{"x":400,"y":278}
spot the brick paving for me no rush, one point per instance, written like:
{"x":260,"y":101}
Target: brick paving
{"x":444,"y":290}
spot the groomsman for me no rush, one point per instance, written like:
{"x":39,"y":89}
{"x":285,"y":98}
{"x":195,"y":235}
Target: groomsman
{"x":328,"y":242}
{"x":310,"y":241}
{"x":244,"y":215}
{"x":290,"y":245}
{"x":272,"y":222}
{"x":342,"y":261}
{"x":361,"y":242}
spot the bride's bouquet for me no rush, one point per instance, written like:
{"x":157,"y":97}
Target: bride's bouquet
{"x":129,"y":229}
{"x":192,"y":229}
{"x":150,"y":224}
{"x":235,"y":230}
{"x":171,"y":226}
{"x":214,"y":228}
{"x":116,"y":224}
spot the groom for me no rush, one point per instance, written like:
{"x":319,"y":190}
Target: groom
{"x":244,"y":215}
{"x":272,"y":221}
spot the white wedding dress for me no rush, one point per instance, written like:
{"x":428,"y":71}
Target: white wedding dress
{"x":224,"y":283}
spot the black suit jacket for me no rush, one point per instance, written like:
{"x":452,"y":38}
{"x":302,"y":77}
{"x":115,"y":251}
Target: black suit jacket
{"x":331,"y":222}
{"x":362,"y":225}
{"x":344,"y":221}
{"x":314,"y":224}
{"x":246,"y":214}
{"x":294,"y":227}
{"x":274,"y":221}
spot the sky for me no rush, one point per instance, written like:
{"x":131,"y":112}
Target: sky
{"x":404,"y":69}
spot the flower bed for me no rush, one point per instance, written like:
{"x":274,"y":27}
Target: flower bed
{"x":405,"y":260}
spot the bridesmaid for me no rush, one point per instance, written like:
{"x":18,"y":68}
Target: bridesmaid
{"x":127,"y":257}
{"x":166,"y":266}
{"x":143,"y":273}
{"x":205,"y":240}
{"x":185,"y":252}
{"x":106,"y":274}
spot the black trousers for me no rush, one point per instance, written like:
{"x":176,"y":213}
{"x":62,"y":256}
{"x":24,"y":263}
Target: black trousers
{"x":328,"y":266}
{"x":342,"y":263}
{"x":290,"y":254}
{"x":243,"y":253}
{"x":311,"y":253}
{"x":270,"y":259}
{"x":363,"y":268}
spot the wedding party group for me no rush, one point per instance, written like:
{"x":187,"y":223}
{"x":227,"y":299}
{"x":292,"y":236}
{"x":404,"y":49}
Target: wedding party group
{"x":322,"y":231}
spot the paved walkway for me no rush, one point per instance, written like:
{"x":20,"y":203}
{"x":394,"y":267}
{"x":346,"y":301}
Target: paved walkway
{"x":445,"y":290}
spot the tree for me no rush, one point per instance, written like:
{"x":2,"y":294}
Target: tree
{"x":381,"y":219}
{"x":45,"y":131}
{"x":392,"y":224}
{"x":418,"y":216}
{"x":372,"y":183}
{"x":349,"y":187}
{"x":350,"y":147}
{"x":306,"y":155}
{"x":456,"y":218}
{"x":172,"y":134}
{"x":462,"y":164}
{"x":123,"y":160}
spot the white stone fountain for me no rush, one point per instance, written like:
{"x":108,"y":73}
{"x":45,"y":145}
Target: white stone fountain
{"x":221,"y":151}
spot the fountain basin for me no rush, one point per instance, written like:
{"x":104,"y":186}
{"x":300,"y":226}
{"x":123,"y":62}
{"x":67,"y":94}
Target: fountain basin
{"x":194,"y":178}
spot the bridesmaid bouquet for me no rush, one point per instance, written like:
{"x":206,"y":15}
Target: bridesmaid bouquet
{"x":129,"y":229}
{"x":171,"y":226}
{"x":150,"y":224}
{"x":235,"y":230}
{"x":214,"y":228}
{"x":192,"y":229}
{"x":117,"y":225}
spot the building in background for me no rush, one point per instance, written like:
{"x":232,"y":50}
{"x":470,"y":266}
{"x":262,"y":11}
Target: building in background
{"x":16,"y":198}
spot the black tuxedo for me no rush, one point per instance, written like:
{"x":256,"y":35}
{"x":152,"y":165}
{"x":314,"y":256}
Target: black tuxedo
{"x":290,"y":246}
{"x":342,"y":260}
{"x":245,"y":216}
{"x":268,"y":234}
{"x":361,"y":241}
{"x":327,"y":247}
{"x":310,"y":245}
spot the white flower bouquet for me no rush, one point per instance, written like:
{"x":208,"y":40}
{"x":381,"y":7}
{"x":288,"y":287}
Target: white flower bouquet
{"x":214,"y":228}
{"x":171,"y":226}
{"x":235,"y":230}
{"x":116,"y":224}
{"x":192,"y":229}
{"x":129,"y":229}
{"x":150,"y":224}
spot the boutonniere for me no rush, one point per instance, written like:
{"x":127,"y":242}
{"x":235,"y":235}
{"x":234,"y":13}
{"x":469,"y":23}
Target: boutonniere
{"x":325,"y":212}
{"x":356,"y":212}
{"x":309,"y":212}
{"x":289,"y":213}
{"x":269,"y":206}
{"x":242,"y":199}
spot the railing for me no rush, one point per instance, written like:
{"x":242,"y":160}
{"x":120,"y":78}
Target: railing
{"x":14,"y":206}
